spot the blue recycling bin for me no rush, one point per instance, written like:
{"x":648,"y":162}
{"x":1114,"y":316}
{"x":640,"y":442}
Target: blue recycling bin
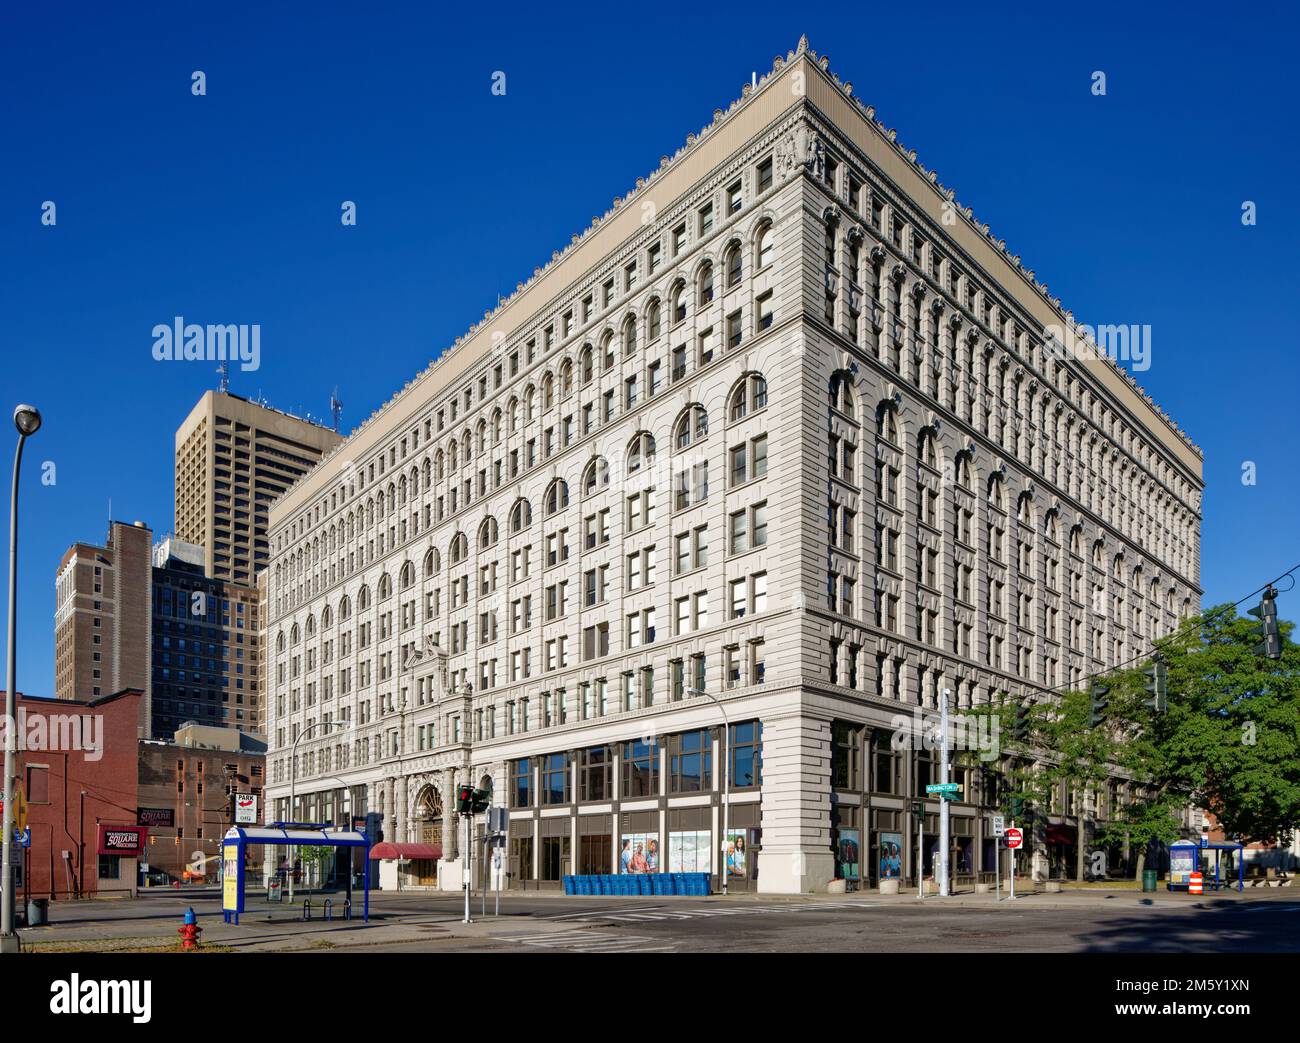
{"x":606,"y":888}
{"x":660,"y":884}
{"x":646,"y":884}
{"x":568,"y":885}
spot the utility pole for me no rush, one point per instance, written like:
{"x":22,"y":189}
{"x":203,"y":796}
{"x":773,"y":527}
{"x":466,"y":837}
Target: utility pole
{"x":944,"y":802}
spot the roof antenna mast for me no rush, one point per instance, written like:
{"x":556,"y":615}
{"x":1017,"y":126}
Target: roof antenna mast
{"x":336,"y":408}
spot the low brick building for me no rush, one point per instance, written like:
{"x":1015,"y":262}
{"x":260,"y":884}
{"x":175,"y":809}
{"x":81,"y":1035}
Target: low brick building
{"x":77,"y":768}
{"x":187,"y":793}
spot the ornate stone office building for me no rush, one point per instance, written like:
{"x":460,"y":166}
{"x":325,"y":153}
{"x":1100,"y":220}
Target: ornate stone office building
{"x":783,"y":427}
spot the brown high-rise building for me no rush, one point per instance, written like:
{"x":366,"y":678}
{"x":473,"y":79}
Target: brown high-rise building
{"x":102,"y":619}
{"x":233,"y":457}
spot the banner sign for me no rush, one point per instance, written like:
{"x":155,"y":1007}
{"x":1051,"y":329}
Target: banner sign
{"x":123,"y":840}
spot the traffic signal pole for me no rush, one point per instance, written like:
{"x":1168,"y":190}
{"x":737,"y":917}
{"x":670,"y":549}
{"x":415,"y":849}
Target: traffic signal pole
{"x":467,"y":862}
{"x":944,"y":802}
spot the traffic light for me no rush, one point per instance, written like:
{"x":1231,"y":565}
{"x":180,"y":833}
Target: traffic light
{"x":1157,"y":685}
{"x":1020,"y":726}
{"x":465,"y":800}
{"x":1270,"y":645}
{"x":480,"y":800}
{"x":1017,"y":808}
{"x":1097,"y":703}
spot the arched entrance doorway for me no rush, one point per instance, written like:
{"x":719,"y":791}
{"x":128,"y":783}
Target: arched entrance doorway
{"x":428,"y":814}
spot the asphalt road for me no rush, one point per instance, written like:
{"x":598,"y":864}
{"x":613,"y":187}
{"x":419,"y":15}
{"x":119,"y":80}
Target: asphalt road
{"x":861,"y":925}
{"x":1125,"y":922}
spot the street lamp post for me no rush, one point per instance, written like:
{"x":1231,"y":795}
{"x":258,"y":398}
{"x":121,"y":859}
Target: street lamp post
{"x":293,"y":779}
{"x":28,"y":421}
{"x":726,"y":777}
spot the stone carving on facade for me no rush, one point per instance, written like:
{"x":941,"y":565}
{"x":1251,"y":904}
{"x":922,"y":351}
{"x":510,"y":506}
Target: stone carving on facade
{"x":801,"y":147}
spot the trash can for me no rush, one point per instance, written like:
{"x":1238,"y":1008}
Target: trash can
{"x":1148,"y":880}
{"x":38,"y":912}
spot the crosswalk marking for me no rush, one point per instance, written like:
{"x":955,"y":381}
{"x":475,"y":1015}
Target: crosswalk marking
{"x":662,"y":913}
{"x":588,"y":941}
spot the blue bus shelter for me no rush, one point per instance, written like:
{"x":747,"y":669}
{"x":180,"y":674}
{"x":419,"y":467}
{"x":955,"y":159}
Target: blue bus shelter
{"x":1185,"y":859}
{"x":289,"y":834}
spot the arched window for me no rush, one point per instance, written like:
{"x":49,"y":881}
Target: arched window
{"x":459,"y":548}
{"x":732,"y":264}
{"x":691,"y":426}
{"x":548,"y":391}
{"x":1024,"y":511}
{"x":596,"y":476}
{"x":430,"y":563}
{"x":407,"y":576}
{"x":840,"y":393}
{"x":557,"y":496}
{"x":385,"y":587}
{"x":677,"y":299}
{"x":585,"y":371}
{"x":705,"y":283}
{"x":925,"y":449}
{"x":487,"y":533}
{"x":965,"y":475}
{"x":996,"y":497}
{"x":763,"y":247}
{"x":887,"y":422}
{"x":640,"y":451}
{"x":345,"y":609}
{"x":521,"y":516}
{"x":566,"y":378}
{"x":629,"y":335}
{"x":363,"y":599}
{"x":326,"y":618}
{"x":654,"y":321}
{"x":750,"y":394}
{"x":1076,"y":540}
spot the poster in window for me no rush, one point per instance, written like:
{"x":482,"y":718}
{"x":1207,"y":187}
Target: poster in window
{"x":848,"y":855}
{"x":639,"y":853}
{"x":891,"y":856}
{"x":688,"y":852}
{"x":737,"y":852}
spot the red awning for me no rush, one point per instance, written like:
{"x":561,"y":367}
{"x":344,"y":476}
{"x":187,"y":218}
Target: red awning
{"x":386,"y":850}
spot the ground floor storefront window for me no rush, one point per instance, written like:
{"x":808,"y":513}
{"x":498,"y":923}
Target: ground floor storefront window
{"x":555,"y":861}
{"x":887,"y":852}
{"x":521,"y":855}
{"x":846,"y":843}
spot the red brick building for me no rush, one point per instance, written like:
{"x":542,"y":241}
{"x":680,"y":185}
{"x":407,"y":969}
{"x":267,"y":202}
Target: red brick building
{"x":77,"y":765}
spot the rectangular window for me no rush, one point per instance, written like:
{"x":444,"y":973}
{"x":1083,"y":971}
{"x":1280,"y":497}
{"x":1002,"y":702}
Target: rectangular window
{"x":691,"y":762}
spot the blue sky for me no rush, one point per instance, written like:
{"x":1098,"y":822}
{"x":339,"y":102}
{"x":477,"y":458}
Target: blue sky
{"x":225,"y":208}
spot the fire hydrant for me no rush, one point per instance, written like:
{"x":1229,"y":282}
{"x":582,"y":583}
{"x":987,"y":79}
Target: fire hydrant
{"x":190,"y":930}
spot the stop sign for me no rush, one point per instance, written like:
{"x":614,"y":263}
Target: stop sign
{"x":1014,"y":837}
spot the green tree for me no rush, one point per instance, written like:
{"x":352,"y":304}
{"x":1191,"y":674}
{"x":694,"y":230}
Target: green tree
{"x":318,"y":855}
{"x":1230,"y":742}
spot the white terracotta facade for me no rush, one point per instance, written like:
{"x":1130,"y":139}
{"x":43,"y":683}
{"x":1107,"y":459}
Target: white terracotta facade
{"x":905,"y":493}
